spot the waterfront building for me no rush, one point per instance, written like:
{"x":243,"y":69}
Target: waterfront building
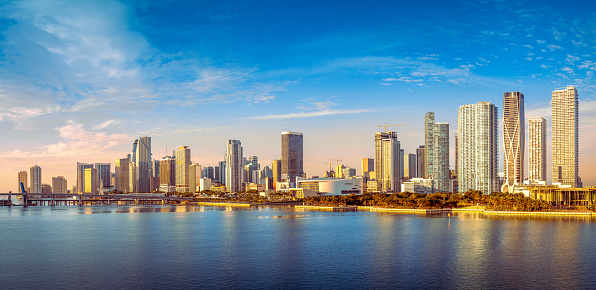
{"x":22,"y":179}
{"x":208,"y":172}
{"x":387,"y":162}
{"x":132,"y":180}
{"x":167,"y":174}
{"x":234,"y":168}
{"x":420,"y":162}
{"x":401,"y":164}
{"x":251,"y":168}
{"x":419,"y":185}
{"x":222,"y":172}
{"x":59,"y":184}
{"x":478,"y":148}
{"x":291,"y":156}
{"x":216,"y":176}
{"x":81,"y":175}
{"x":204,"y":184}
{"x":192,"y":177}
{"x":429,"y":121}
{"x":368,"y":165}
{"x":46,"y":188}
{"x":182,"y":169}
{"x":35,"y":176}
{"x":371,"y":186}
{"x":143,"y":162}
{"x":332,"y":186}
{"x":565,"y":136}
{"x":513,"y":139}
{"x":537,"y":149}
{"x":121,"y":180}
{"x":455,"y":146}
{"x":440,"y":156}
{"x":104,"y":172}
{"x":410,"y":165}
{"x":91,"y":181}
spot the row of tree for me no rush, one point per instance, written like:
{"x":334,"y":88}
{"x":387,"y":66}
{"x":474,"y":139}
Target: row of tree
{"x":495,"y":201}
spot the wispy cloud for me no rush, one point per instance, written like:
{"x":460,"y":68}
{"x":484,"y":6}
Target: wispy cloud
{"x":311,"y":114}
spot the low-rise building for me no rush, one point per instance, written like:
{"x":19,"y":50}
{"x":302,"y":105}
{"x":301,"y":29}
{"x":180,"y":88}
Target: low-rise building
{"x":418,"y":185}
{"x":333,"y":186}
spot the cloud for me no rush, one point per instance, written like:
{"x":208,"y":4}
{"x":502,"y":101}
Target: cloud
{"x":553,"y":47}
{"x":528,"y":46}
{"x":105,"y":124}
{"x":311,"y":114}
{"x":312,"y":104}
{"x":404,"y":79}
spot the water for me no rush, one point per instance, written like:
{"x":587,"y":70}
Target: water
{"x":191,"y":246}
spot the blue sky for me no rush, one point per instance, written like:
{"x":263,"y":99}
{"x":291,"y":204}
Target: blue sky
{"x":80,"y":80}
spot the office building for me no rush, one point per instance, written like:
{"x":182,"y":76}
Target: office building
{"x":420,"y":162}
{"x":429,"y":121}
{"x":410,"y":165}
{"x":167,"y":174}
{"x":59,"y":184}
{"x":276,"y":168}
{"x":251,"y":168}
{"x":81,"y":175}
{"x":537,"y":149}
{"x":368,"y":165}
{"x":234,"y":166}
{"x":104,"y":172}
{"x":565,"y":136}
{"x":35,"y":176}
{"x":513,"y":140}
{"x":122,"y":175}
{"x":182,"y":169}
{"x":291,"y":156}
{"x":222,"y":172}
{"x":401,"y":164}
{"x":477,"y":159}
{"x":22,"y":179}
{"x":132,"y":178}
{"x":192,"y":177}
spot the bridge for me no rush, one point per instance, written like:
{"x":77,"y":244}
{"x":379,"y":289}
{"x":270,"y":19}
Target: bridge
{"x":53,"y":199}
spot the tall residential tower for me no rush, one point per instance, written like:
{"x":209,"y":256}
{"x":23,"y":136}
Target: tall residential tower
{"x":565,"y":151}
{"x":292,"y":163}
{"x":513,"y":139}
{"x":537,"y":149}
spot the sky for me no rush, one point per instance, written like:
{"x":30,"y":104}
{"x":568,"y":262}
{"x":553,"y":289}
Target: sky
{"x":80,"y":80}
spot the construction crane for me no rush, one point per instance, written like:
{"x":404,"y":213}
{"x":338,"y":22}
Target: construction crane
{"x":390,"y":125}
{"x":330,"y":164}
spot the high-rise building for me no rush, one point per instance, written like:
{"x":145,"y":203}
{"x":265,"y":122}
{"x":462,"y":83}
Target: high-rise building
{"x":222,"y":172}
{"x":156,"y":167}
{"x":122,"y":183}
{"x":565,"y":138}
{"x":132,"y":177}
{"x":477,"y":159}
{"x":142,"y":160}
{"x":276,"y":168}
{"x":291,"y":156}
{"x":81,"y":175}
{"x":59,"y":184}
{"x":420,"y":155}
{"x":368,"y":165}
{"x":455,"y":146}
{"x":35,"y":175}
{"x":91,"y":181}
{"x":192,"y":177}
{"x":537,"y":149}
{"x":251,"y":166}
{"x":46,"y":188}
{"x":410,"y":165}
{"x":401,"y":164}
{"x":429,"y":121}
{"x":234,"y":168}
{"x":440,"y":170}
{"x":182,"y":169}
{"x":167,"y":174}
{"x":387,"y":162}
{"x":22,"y":179}
{"x":104,"y":172}
{"x":208,"y":172}
{"x":513,"y":139}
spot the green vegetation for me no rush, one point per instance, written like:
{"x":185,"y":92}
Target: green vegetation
{"x":495,"y":201}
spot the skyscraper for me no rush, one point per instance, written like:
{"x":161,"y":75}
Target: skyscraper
{"x":440,"y":170}
{"x":368,"y":165}
{"x":429,"y":121}
{"x":81,"y":175}
{"x":276,"y":168}
{"x":387,"y":162}
{"x":291,"y":156}
{"x":250,"y":167}
{"x":167,"y":174}
{"x":104,"y":173}
{"x":401,"y":164}
{"x":182,"y":169}
{"x":142,"y":160}
{"x":122,"y":183}
{"x":192,"y":177}
{"x":513,"y":139}
{"x":565,"y":130}
{"x":91,"y":181}
{"x":35,"y":175}
{"x":234,"y":168}
{"x":537,"y":149}
{"x":222,"y":172}
{"x":478,"y":147}
{"x":420,"y":155}
{"x":59,"y":184}
{"x":410,"y":165}
{"x":22,"y":178}
{"x":132,"y":177}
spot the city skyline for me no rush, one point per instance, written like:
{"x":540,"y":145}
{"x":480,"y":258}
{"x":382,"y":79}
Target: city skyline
{"x":222,"y":71}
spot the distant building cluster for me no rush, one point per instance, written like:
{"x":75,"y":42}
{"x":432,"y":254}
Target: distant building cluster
{"x":392,"y":170}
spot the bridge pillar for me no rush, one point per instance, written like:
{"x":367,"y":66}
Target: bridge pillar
{"x":25,"y":200}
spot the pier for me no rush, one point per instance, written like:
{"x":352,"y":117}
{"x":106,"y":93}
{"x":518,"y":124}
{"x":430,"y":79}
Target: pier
{"x":54,"y":199}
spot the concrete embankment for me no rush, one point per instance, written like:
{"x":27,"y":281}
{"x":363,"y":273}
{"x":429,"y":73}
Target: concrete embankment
{"x":327,"y":208}
{"x":211,"y":203}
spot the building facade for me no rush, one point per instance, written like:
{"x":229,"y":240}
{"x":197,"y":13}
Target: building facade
{"x":22,"y":179}
{"x":143,"y":162}
{"x":104,"y":172}
{"x":478,"y":148}
{"x":513,"y":140}
{"x":440,"y":156}
{"x":537,"y":149}
{"x":59,"y":184}
{"x":91,"y":181}
{"x":429,"y":121}
{"x":565,"y":136}
{"x":121,"y":180}
{"x":410,"y":165}
{"x":182,"y":169}
{"x":35,"y":176}
{"x":81,"y":175}
{"x":167,"y":174}
{"x":420,"y":155}
{"x":292,"y":163}
{"x":387,"y":162}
